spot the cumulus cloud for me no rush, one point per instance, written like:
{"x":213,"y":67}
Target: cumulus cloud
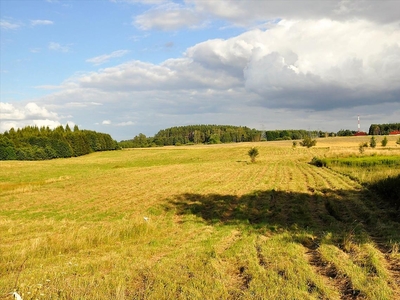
{"x":319,"y":65}
{"x":173,"y":74}
{"x":41,"y":22}
{"x":18,"y":116}
{"x":101,"y":59}
{"x":313,"y":65}
{"x":106,"y":122}
{"x":29,"y":112}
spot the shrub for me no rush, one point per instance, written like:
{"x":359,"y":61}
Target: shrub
{"x":294,"y":144}
{"x":362,"y":147}
{"x":318,"y":162}
{"x":384,"y":142}
{"x":253,"y":153}
{"x":372,"y":142}
{"x":398,"y":141}
{"x":308,"y":142}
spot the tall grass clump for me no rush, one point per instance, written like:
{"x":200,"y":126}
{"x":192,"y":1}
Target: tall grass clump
{"x":389,"y":190}
{"x":319,"y":162}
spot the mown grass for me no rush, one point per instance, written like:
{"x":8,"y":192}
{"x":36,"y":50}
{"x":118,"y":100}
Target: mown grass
{"x":198,"y":222}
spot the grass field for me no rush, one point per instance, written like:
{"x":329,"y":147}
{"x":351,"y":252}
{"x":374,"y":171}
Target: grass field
{"x":199,"y":222}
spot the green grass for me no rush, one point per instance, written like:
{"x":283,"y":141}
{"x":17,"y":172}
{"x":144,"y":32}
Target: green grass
{"x":366,"y":161}
{"x":218,"y":227}
{"x":365,"y":169}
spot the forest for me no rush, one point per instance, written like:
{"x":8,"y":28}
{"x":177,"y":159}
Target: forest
{"x":382,"y":129}
{"x":34,"y":143}
{"x":214,"y":134}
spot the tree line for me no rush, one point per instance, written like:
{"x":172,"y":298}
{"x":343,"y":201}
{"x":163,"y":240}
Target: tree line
{"x":383,"y":129}
{"x":34,"y":143}
{"x":195,"y":134}
{"x":292,"y":134}
{"x":215,"y":134}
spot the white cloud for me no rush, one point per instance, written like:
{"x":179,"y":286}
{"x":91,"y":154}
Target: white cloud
{"x":101,"y":59}
{"x":169,"y":16}
{"x":46,"y":122}
{"x":19,"y":116}
{"x":28,"y":112}
{"x":106,"y":122}
{"x":4,"y":24}
{"x":58,"y":47}
{"x":128,"y":123}
{"x":41,"y":22}
{"x":9,"y":112}
{"x":173,"y":74}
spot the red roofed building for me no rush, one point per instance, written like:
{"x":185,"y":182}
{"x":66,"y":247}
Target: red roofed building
{"x":394,"y":132}
{"x":360,"y":133}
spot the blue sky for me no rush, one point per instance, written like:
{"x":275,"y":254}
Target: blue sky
{"x":137,"y":66}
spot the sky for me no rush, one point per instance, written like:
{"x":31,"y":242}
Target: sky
{"x":126,"y":67}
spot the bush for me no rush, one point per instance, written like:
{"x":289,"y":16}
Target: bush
{"x":308,"y":142}
{"x":318,"y":162}
{"x":384,"y":142}
{"x":362,"y":147}
{"x":253,"y":153}
{"x":372,"y":142}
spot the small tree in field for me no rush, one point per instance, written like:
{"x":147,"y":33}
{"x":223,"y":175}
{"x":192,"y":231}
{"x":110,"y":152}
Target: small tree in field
{"x":362,"y":147}
{"x":372,"y":142}
{"x":253,"y":153}
{"x":308,"y":142}
{"x":398,"y":141}
{"x":384,"y":142}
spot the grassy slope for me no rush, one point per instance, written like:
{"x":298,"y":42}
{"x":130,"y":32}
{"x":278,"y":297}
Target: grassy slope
{"x":219,"y":227}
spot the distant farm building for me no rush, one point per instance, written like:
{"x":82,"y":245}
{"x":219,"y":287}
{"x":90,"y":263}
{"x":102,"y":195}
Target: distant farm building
{"x":394,"y":132}
{"x":360,"y":133}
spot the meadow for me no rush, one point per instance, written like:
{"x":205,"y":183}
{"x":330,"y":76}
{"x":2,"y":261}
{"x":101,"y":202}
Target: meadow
{"x":201,"y":222}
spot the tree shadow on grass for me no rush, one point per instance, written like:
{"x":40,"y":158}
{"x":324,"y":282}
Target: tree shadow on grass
{"x":335,"y":211}
{"x":338,"y":218}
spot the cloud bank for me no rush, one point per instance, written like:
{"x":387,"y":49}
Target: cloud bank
{"x":318,"y":65}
